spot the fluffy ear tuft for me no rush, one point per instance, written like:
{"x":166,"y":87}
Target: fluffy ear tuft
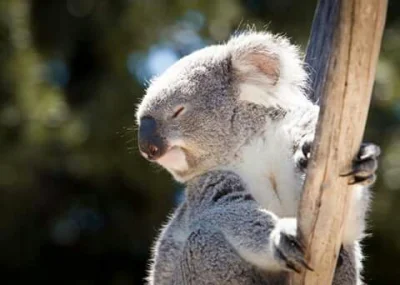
{"x":269,"y":69}
{"x":267,"y":64}
{"x":256,"y":65}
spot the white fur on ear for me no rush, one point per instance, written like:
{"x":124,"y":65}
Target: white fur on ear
{"x":269,"y":69}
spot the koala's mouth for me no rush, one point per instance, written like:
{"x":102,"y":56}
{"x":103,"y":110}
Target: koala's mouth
{"x":174,"y":158}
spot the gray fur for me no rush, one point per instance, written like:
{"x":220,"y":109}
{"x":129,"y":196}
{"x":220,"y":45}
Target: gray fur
{"x":239,"y":147}
{"x":218,"y":219}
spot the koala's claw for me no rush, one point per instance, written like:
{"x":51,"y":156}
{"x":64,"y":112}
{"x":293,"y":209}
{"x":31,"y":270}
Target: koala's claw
{"x":290,"y":253}
{"x":364,"y":165}
{"x":303,"y":154}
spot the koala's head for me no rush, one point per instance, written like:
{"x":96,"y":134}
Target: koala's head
{"x":198,"y":114}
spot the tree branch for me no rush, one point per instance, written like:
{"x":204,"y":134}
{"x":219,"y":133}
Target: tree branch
{"x":342,"y":57}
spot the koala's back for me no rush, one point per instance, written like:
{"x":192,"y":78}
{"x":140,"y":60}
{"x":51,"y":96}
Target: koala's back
{"x":207,"y":258}
{"x":202,"y":256}
{"x":192,"y":249}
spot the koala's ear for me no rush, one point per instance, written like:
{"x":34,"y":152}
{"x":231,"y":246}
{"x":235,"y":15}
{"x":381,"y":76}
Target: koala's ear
{"x":253,"y":65}
{"x":267,"y":68}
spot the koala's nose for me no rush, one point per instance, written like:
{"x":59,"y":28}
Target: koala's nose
{"x":149,"y":139}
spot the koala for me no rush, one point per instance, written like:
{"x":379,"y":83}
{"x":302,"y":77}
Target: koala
{"x":234,"y":124}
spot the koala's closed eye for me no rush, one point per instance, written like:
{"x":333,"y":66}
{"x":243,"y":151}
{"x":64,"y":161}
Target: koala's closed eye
{"x":178,"y":111}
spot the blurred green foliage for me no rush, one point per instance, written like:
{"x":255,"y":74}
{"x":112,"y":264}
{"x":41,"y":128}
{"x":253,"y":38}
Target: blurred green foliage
{"x":78,"y":205}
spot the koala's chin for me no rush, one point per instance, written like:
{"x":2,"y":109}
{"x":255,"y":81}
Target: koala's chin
{"x":175,"y":161}
{"x":184,"y":164}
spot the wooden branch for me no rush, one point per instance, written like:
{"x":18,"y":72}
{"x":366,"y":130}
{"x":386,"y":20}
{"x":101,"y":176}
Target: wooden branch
{"x":320,"y":45}
{"x":352,"y":29}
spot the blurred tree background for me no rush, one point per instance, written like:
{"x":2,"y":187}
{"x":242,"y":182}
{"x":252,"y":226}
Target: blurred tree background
{"x":78,"y":205}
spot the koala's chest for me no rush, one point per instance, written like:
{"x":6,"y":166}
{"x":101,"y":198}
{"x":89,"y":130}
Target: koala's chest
{"x":269,"y":171}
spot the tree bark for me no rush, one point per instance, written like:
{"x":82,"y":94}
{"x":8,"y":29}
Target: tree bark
{"x":342,"y":58}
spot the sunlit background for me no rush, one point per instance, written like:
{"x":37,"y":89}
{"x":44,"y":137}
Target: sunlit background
{"x":78,"y":205}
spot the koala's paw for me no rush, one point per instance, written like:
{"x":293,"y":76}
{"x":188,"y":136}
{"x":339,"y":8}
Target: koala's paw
{"x":364,"y":165}
{"x":288,"y":250}
{"x":302,"y":154}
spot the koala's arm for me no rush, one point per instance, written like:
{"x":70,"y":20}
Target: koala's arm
{"x":257,"y":235}
{"x":264,"y":240}
{"x":361,"y":177}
